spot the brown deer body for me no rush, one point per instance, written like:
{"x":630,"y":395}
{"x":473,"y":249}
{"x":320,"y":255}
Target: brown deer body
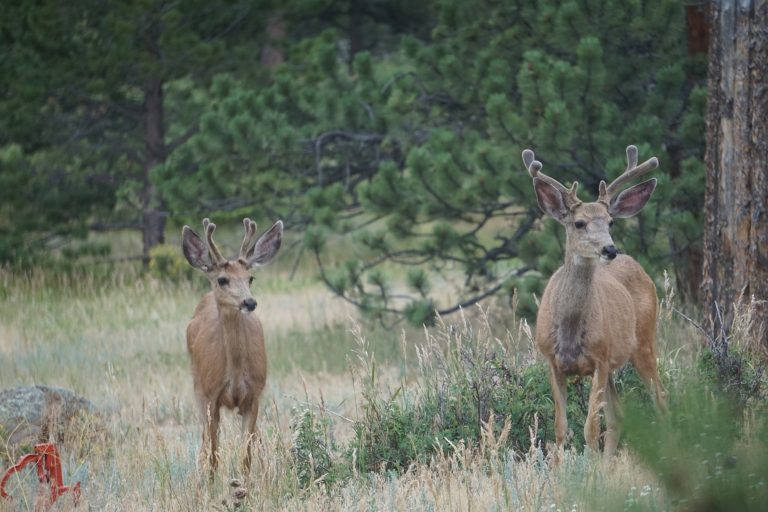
{"x":225,"y":338}
{"x":598,"y":310}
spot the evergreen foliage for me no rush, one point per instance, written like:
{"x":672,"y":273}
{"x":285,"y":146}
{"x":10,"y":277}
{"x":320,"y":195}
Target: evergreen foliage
{"x":95,"y":95}
{"x":414,"y":155}
{"x":390,"y":129}
{"x":38,"y":193}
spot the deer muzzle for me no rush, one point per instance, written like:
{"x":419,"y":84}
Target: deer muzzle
{"x":249,"y":304}
{"x":609,"y":252}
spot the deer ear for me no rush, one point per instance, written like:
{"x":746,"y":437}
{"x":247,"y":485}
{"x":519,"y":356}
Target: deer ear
{"x":195,"y":250}
{"x":550,"y":200}
{"x":266,"y":247}
{"x":632,"y":200}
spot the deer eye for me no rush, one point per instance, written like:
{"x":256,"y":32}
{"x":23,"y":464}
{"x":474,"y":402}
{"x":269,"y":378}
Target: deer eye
{"x":580,"y":224}
{"x":610,"y":223}
{"x":223,"y":281}
{"x":250,"y":280}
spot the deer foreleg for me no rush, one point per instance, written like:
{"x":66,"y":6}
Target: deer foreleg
{"x":559,"y":395}
{"x":597,"y":397}
{"x":209,"y":448}
{"x":613,"y":417}
{"x":249,"y":434}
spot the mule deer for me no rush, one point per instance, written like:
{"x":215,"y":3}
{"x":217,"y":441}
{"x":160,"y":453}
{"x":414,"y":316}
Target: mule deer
{"x":224,"y":338}
{"x":598,"y":310}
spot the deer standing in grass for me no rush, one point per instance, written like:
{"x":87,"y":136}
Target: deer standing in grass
{"x":224,"y":338}
{"x":598,"y":310}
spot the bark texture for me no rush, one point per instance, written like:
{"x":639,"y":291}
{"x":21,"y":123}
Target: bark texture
{"x":736,"y":202}
{"x":153,"y":214}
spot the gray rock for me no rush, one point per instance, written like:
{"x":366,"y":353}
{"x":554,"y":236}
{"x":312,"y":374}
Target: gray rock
{"x":40,"y":414}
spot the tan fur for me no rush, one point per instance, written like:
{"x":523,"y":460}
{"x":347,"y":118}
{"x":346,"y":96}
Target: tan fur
{"x":225,"y":339}
{"x":596,"y":313}
{"x":229,"y":366}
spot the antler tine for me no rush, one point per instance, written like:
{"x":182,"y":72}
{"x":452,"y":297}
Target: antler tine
{"x":534,"y":169}
{"x":631,"y":172}
{"x":528,"y":159}
{"x":631,"y":157}
{"x":248,"y":239}
{"x":209,"y":228}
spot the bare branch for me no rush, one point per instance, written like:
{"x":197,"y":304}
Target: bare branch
{"x":181,"y":139}
{"x":477,"y":298}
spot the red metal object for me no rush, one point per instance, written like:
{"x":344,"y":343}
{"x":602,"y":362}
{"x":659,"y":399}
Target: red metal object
{"x":48,"y":463}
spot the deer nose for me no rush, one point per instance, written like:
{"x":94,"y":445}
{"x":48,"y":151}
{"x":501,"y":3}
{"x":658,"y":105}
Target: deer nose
{"x":250,"y":304}
{"x":609,"y":251}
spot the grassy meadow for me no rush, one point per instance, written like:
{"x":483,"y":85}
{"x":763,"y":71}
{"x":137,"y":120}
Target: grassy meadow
{"x":118,"y":340}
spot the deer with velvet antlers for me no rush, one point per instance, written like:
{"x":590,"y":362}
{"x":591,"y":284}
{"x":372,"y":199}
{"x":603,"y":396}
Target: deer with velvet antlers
{"x":225,"y":338}
{"x":598,"y":310}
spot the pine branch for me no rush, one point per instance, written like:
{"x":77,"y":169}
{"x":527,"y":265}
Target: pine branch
{"x":477,"y":298}
{"x":181,"y":139}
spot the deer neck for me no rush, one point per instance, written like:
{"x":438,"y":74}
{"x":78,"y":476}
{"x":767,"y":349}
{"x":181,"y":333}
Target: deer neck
{"x":233,"y":334}
{"x":578,"y":276}
{"x":575,"y":294}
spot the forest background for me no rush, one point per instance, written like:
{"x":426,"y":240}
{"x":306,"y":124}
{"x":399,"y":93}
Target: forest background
{"x":387,"y":135}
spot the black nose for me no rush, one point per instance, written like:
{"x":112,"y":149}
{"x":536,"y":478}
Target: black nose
{"x":250,"y":304}
{"x":610,"y":251}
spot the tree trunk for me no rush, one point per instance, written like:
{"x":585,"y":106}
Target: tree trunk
{"x":736,"y":201}
{"x":153,"y":216}
{"x":272,"y":54}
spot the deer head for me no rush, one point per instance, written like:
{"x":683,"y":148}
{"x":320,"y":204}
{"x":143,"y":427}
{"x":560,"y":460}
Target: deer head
{"x":587,"y":225}
{"x":231,"y":279}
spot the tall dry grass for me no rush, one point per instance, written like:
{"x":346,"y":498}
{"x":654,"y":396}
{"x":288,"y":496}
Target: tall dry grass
{"x":119,"y":341}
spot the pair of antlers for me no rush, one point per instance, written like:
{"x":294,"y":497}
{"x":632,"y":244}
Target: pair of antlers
{"x":607,"y":192}
{"x":246,"y":248}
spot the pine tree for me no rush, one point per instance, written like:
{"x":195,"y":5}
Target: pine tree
{"x":413,"y":156}
{"x":99,"y":94}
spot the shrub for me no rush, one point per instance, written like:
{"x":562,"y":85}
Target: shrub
{"x":742,"y":378}
{"x":466,"y":377}
{"x":167,"y":262}
{"x":709,"y":452}
{"x":735,"y":359}
{"x":313,"y":450}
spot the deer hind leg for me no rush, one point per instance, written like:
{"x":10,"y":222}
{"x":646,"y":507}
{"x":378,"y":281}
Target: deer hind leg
{"x":644,"y":362}
{"x":613,"y":418}
{"x":597,"y":398}
{"x":559,"y":396}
